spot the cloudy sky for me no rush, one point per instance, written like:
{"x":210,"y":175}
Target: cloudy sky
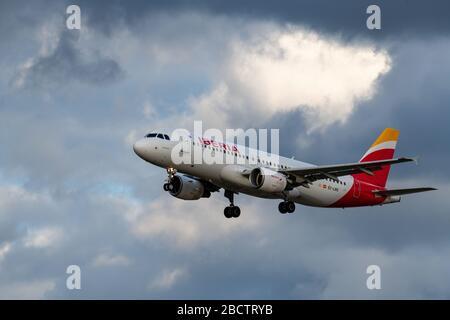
{"x":73,"y":102}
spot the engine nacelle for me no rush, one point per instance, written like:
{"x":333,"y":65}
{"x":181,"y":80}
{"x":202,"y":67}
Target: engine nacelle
{"x":187,"y":188}
{"x":232,"y":174}
{"x":268,"y":180}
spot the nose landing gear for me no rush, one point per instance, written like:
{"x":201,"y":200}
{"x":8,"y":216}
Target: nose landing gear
{"x":171,"y":172}
{"x":231,"y":211}
{"x":169,"y":185}
{"x":286,"y":207}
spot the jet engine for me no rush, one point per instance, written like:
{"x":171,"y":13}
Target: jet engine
{"x":268,"y":180}
{"x":186,"y":188}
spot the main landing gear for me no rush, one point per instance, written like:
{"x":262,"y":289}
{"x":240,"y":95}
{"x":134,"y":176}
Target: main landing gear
{"x":286,"y":207}
{"x":231,"y":211}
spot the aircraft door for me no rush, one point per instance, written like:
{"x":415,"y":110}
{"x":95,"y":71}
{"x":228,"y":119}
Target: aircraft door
{"x":356,"y":189}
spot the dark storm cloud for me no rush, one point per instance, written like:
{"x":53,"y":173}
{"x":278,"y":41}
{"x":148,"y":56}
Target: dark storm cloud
{"x":68,"y":63}
{"x":399,"y":18}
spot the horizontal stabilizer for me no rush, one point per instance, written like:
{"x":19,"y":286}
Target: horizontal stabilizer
{"x":399,"y":192}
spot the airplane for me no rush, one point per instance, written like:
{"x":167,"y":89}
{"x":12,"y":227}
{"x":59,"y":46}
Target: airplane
{"x":356,"y":184}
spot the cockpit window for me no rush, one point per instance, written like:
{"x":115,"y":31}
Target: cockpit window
{"x":158,"y":135}
{"x":151,"y":135}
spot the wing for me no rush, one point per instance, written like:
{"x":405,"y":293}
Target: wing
{"x":310,"y":174}
{"x":399,"y":192}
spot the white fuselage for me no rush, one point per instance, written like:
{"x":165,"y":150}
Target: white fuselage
{"x":229,"y":175}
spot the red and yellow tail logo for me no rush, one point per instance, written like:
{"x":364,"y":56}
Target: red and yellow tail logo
{"x":382,"y":149}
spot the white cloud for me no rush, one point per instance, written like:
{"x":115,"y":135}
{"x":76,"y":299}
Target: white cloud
{"x":168,"y":278}
{"x":43,"y":237}
{"x":48,"y":37}
{"x":290,"y":68}
{"x":258,"y":69}
{"x":131,"y":138}
{"x":11,"y":195}
{"x":23,"y":69}
{"x":5,"y":248}
{"x":110,"y":260}
{"x":189,"y":224}
{"x":149,"y":110}
{"x":27,"y":290}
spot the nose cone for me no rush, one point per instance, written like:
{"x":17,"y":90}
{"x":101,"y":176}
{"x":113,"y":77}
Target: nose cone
{"x":139,"y":147}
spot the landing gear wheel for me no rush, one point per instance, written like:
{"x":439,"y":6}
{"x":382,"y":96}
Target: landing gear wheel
{"x":282,"y":207}
{"x":286,"y":207}
{"x":170,"y":187}
{"x":166,"y":187}
{"x":227,"y":212}
{"x":231,"y":211}
{"x":236,"y":211}
{"x":290,"y":206}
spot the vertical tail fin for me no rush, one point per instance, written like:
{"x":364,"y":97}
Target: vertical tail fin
{"x":382,"y":149}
